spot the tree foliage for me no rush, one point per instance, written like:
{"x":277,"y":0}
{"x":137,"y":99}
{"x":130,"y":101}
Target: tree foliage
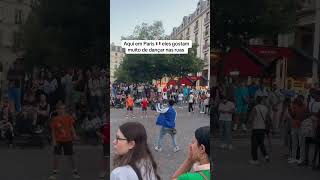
{"x":68,"y":33}
{"x":146,"y":67}
{"x":235,"y":23}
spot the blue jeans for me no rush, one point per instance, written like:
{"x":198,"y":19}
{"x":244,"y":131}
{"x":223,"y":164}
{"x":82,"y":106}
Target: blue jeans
{"x":225,"y":132}
{"x":163,"y":132}
{"x":15,"y":96}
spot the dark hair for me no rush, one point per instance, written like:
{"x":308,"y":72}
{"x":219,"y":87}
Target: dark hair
{"x":134,"y":131}
{"x":259,"y":100}
{"x":171,"y":102}
{"x":202,"y":135}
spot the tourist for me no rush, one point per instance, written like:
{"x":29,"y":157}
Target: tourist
{"x":133,"y":160}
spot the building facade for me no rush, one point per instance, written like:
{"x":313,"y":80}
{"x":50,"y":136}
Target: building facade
{"x":13,"y":13}
{"x":117,"y":54}
{"x":196,"y":27}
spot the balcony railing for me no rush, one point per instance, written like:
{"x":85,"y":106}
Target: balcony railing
{"x":206,"y":34}
{"x":196,"y":27}
{"x":205,"y":47}
{"x":206,"y":19}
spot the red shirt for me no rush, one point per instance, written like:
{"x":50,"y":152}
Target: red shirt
{"x":144,"y":103}
{"x":106,"y":133}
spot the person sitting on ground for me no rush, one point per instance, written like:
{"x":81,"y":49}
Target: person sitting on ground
{"x":198,"y":157}
{"x":6,"y":127}
{"x":43,"y":111}
{"x":133,"y":159}
{"x":91,"y":125}
{"x":26,"y":119}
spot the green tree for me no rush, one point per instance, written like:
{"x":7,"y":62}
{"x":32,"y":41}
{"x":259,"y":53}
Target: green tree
{"x":72,"y":33}
{"x":147,"y":67}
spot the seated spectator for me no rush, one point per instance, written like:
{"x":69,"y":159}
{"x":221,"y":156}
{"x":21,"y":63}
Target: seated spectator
{"x":6,"y":127}
{"x":43,"y":109}
{"x":81,"y":111}
{"x":91,"y":125}
{"x":26,"y":119}
{"x":199,"y":153}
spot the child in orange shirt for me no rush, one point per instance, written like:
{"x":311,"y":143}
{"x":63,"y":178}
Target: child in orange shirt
{"x":63,"y":134}
{"x":129,"y":105}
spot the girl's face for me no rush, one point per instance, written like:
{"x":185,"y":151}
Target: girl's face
{"x":121,"y":145}
{"x":196,"y":150}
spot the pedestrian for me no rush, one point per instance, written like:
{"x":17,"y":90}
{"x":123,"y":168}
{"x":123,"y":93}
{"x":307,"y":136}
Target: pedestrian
{"x":129,"y":106}
{"x":167,"y":122}
{"x":104,"y":134}
{"x":299,"y":112}
{"x":144,"y":106}
{"x":259,"y":118}
{"x":63,"y":134}
{"x":133,"y":160}
{"x":180,"y":99}
{"x":198,"y":157}
{"x":242,"y":103}
{"x":226,"y":109}
{"x":191,"y":101}
{"x":285,"y":125}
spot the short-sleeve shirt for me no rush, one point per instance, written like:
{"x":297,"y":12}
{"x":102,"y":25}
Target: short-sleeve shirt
{"x":194,"y":176}
{"x":144,"y":104}
{"x":62,"y":128}
{"x":229,"y":106}
{"x":130,"y":102}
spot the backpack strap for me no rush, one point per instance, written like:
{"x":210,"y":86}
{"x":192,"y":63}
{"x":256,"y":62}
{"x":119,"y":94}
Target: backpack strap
{"x":203,"y":175}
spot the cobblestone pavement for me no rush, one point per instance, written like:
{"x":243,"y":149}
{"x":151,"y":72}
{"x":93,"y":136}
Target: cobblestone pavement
{"x":35,"y":164}
{"x":234,"y":164}
{"x":186,"y":124}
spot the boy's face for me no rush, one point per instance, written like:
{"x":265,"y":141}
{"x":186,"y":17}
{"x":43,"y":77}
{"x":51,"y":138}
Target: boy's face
{"x":61,"y":110}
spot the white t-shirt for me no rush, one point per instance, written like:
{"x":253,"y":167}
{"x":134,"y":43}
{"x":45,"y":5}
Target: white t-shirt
{"x":228,"y":106}
{"x":260,"y":118}
{"x":314,"y":107}
{"x":191,"y":98}
{"x":180,"y":97}
{"x":127,"y":173}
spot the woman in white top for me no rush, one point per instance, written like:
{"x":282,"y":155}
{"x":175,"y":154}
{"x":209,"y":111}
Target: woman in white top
{"x":259,"y":118}
{"x":133,"y":160}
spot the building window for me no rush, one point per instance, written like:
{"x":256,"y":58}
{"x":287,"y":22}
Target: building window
{"x":18,"y":16}
{"x":1,"y":14}
{"x":17,"y":40}
{"x":196,"y":38}
{"x":1,"y":35}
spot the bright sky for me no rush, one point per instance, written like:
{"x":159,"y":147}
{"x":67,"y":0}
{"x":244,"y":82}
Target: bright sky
{"x":126,"y":14}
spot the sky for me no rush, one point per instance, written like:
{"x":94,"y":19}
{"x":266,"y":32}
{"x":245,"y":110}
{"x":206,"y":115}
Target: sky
{"x":126,"y":14}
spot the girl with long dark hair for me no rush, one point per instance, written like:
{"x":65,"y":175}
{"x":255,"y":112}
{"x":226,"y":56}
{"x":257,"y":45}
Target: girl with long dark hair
{"x":133,"y":160}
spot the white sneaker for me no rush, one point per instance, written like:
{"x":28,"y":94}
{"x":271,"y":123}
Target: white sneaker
{"x":223,"y":146}
{"x":244,"y":127}
{"x":292,"y":161}
{"x":159,"y":149}
{"x":75,"y":175}
{"x":254,"y":162}
{"x":235,"y":127}
{"x":176,"y":149}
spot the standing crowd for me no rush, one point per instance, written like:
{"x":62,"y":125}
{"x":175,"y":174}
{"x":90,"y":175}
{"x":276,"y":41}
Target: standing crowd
{"x":265,"y":111}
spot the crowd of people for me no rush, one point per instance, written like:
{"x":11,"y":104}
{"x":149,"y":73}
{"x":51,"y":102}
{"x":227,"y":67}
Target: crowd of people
{"x":265,"y":111}
{"x":146,"y":95}
{"x":29,"y":102}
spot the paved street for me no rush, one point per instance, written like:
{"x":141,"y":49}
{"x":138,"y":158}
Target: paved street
{"x":167,"y":160}
{"x":35,"y":164}
{"x":234,"y":164}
